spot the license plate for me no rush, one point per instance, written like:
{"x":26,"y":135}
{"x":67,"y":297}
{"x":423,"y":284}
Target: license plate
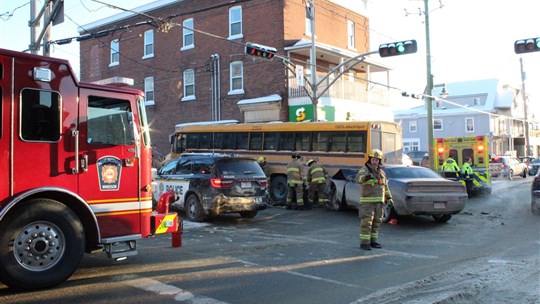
{"x":439,"y":205}
{"x":245,"y":184}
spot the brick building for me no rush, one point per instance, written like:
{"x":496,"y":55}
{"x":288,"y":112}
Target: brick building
{"x":188,"y":57}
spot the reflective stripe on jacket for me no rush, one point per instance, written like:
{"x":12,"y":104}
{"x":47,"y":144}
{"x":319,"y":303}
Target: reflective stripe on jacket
{"x":294,"y":172}
{"x":317,"y":174}
{"x":450,"y":165}
{"x":373,"y":184}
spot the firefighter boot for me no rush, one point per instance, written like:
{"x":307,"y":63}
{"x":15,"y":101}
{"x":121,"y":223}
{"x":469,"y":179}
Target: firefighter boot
{"x":365,"y":246}
{"x":374,"y":244}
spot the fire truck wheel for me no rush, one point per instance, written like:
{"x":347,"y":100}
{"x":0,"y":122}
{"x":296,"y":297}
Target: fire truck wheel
{"x":278,"y":189}
{"x":41,"y":245}
{"x":194,"y":209}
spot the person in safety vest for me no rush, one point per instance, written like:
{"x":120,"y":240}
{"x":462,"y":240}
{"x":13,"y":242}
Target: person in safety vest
{"x":316,"y":178}
{"x":295,"y":181}
{"x":467,"y":173}
{"x":262,"y":162}
{"x":374,"y":193}
{"x":450,"y":166}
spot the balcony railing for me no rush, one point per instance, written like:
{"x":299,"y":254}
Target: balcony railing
{"x":342,"y":89}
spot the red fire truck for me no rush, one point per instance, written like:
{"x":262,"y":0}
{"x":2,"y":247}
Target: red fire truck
{"x":75,"y":175}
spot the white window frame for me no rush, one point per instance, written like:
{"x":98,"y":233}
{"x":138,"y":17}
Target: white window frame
{"x":233,"y":20}
{"x":413,"y":126}
{"x":351,"y":35}
{"x":469,"y":122}
{"x":115,"y":53}
{"x":409,"y":145}
{"x":440,"y":123}
{"x":187,"y":31}
{"x":148,"y":44}
{"x":236,"y":69}
{"x":189,"y":81}
{"x":149,"y":88}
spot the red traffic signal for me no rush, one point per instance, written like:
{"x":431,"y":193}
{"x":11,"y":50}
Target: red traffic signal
{"x":527,"y":45}
{"x":398,"y":48}
{"x":259,"y":50}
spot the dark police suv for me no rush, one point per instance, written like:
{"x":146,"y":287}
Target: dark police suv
{"x":213,"y":184}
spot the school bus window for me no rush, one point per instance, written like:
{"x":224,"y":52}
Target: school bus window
{"x":338,"y":141}
{"x":255,"y":141}
{"x":218,"y":140}
{"x":303,"y":140}
{"x":286,"y":141}
{"x":180,"y":144}
{"x":271,"y":140}
{"x":205,"y":141}
{"x":192,"y":141}
{"x":320,"y":141}
{"x":356,"y":141}
{"x":242,"y":140}
{"x":229,"y":140}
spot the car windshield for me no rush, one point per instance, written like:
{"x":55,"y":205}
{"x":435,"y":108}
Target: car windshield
{"x":410,"y":172}
{"x":239,"y":168}
{"x":536,"y":161}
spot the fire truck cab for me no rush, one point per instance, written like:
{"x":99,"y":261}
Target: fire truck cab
{"x":76,"y":171}
{"x":461,"y":148}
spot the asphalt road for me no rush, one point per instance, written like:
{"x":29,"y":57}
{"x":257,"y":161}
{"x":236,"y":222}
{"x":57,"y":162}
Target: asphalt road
{"x":284,"y":256}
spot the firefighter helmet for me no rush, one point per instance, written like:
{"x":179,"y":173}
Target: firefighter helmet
{"x":376,"y":153}
{"x":295,"y":155}
{"x":311,"y":161}
{"x":261,"y":160}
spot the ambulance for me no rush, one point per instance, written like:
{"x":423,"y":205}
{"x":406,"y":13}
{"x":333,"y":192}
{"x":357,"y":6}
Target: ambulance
{"x":461,"y":147}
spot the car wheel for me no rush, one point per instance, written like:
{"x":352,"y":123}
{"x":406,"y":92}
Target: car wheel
{"x":248,"y":214}
{"x":336,"y":204}
{"x":511,"y":174}
{"x":442,"y":218}
{"x":524,"y":173}
{"x":194,"y":209}
{"x":388,"y":213}
{"x":278,"y":189}
{"x":41,"y":245}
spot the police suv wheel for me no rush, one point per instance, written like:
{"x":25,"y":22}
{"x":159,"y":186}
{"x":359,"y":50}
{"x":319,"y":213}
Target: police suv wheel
{"x":194,"y":209}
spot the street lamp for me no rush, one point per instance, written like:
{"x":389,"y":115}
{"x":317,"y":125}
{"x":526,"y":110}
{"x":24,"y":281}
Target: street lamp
{"x":444,"y":92}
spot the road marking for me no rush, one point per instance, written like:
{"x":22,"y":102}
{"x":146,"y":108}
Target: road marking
{"x":159,"y":288}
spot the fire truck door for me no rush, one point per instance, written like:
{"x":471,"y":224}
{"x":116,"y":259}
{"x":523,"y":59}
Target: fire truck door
{"x":109,"y":174}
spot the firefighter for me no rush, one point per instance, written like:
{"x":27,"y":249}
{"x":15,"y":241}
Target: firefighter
{"x":374,"y":194}
{"x":316,"y":178}
{"x":295,"y":181}
{"x":262,"y":162}
{"x":451,"y":167}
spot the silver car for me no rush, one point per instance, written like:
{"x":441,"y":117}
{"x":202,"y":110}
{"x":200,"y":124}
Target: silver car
{"x":510,"y":166}
{"x":415,"y":191}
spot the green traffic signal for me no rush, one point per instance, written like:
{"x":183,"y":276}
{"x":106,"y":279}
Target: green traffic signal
{"x":527,"y":45}
{"x":398,"y":48}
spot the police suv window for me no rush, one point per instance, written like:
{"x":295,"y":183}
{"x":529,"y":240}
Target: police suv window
{"x":40,"y":115}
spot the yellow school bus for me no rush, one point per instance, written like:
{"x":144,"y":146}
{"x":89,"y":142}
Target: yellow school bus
{"x":333,"y":144}
{"x":461,"y":147}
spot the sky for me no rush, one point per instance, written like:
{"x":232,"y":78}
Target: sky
{"x":469,"y":39}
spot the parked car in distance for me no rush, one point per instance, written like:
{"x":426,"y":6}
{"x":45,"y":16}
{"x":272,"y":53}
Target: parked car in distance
{"x":415,"y":190}
{"x":526,"y":159}
{"x":510,"y":166}
{"x":533,"y":166}
{"x":212,"y":184}
{"x":416,"y":156}
{"x":535,"y":195}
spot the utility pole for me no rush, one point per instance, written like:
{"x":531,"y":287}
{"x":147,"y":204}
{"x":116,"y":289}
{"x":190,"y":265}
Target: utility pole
{"x":53,"y":14}
{"x":525,"y":99}
{"x":429,"y":89}
{"x":310,"y":12}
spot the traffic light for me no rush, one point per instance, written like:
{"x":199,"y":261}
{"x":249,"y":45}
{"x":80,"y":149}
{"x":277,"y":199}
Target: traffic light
{"x":398,"y":48}
{"x":527,"y":45}
{"x":259,"y":50}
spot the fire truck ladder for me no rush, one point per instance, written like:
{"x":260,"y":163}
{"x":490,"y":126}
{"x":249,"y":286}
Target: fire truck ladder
{"x":119,"y":248}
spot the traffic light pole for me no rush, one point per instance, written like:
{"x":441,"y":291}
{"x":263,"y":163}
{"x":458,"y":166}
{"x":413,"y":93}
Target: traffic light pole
{"x":429,"y":91}
{"x":310,"y":10}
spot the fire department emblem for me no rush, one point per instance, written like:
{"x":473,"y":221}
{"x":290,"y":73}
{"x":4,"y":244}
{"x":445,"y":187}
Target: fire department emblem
{"x":109,"y":172}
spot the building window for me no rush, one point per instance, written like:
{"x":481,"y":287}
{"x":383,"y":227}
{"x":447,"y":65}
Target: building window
{"x":149,"y":91}
{"x":189,"y":85}
{"x":235,"y":22}
{"x":237,"y":78}
{"x":187,"y":34}
{"x":148,"y":44}
{"x":115,"y":52}
{"x":437,"y":124}
{"x":469,"y":124}
{"x":438,"y":103}
{"x":350,"y":35}
{"x":412,"y":126}
{"x":411,"y":144}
